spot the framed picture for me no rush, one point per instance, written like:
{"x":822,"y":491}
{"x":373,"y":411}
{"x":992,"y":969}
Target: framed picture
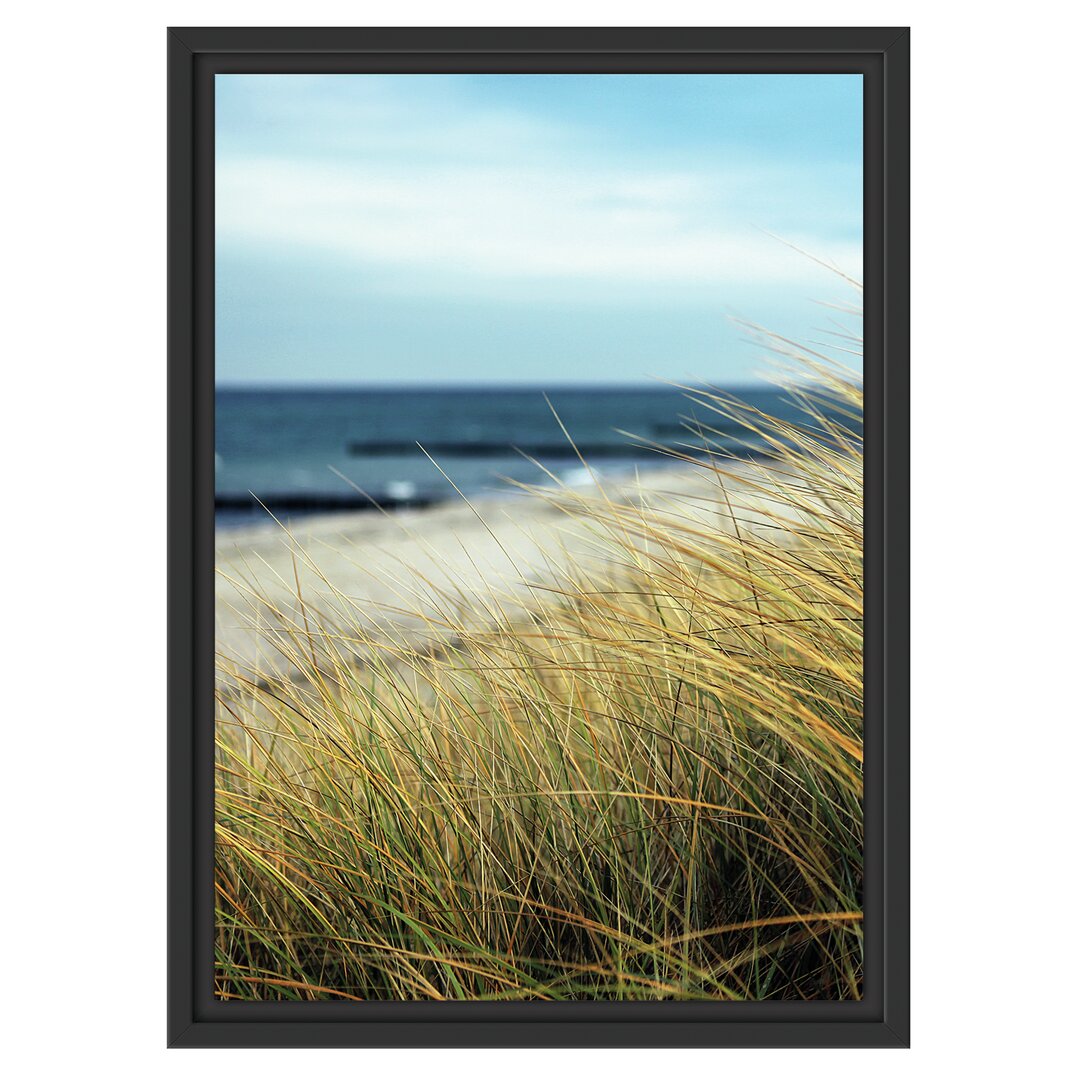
{"x":539,"y":565}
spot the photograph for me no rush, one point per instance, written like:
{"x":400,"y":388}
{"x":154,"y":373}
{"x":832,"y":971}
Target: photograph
{"x":538,"y":537}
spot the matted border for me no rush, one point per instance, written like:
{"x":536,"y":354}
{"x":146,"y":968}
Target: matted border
{"x":195,"y":1017}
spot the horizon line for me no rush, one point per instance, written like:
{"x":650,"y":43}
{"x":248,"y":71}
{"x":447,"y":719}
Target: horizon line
{"x":646,"y":384}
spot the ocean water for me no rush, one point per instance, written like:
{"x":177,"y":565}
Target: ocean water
{"x":287,"y":447}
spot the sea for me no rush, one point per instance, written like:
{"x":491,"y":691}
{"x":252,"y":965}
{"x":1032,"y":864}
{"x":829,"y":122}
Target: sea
{"x":292,"y":452}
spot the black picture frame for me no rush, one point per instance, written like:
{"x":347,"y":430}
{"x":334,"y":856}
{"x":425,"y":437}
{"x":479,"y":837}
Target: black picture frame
{"x":195,"y":1018}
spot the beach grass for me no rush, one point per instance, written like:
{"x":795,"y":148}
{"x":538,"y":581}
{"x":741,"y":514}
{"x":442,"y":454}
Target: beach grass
{"x":642,"y":782}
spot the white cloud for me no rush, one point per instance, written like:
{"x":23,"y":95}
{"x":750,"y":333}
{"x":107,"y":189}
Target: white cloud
{"x":564,"y":224}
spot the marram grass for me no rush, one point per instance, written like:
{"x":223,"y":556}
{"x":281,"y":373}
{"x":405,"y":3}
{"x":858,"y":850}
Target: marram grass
{"x":646,"y":783}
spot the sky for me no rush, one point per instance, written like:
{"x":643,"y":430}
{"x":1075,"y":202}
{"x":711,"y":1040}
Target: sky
{"x":537,"y":229}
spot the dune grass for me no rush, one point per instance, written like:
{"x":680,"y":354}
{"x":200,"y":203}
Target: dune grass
{"x":643,"y":783}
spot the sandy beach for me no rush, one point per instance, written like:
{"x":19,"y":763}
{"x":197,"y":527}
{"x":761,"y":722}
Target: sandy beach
{"x":396,"y":574}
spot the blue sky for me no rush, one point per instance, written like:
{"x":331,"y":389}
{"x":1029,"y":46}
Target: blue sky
{"x":528,"y":229}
